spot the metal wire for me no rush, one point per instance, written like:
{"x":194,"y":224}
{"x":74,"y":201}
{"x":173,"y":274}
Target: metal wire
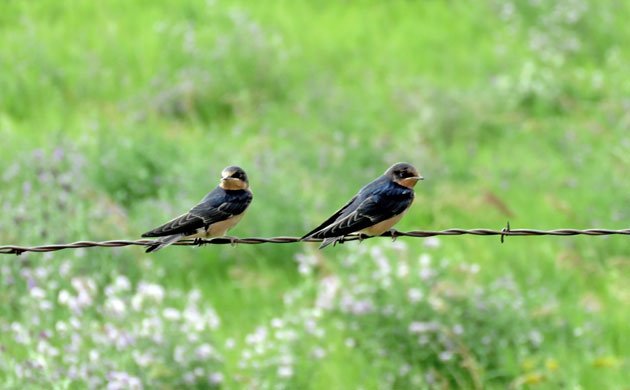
{"x":17,"y":250}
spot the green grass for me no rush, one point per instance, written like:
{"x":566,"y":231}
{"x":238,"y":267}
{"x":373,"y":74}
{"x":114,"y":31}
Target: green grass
{"x":116,"y":116}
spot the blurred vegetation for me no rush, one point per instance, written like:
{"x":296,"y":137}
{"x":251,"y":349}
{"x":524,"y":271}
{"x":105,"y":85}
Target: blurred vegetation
{"x":117,"y":115}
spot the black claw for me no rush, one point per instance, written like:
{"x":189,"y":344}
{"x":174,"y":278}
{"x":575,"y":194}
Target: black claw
{"x":198,"y":241}
{"x":394,"y":234}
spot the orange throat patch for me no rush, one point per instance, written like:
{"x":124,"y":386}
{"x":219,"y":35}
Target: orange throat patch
{"x":408,"y":182}
{"x":233,"y":184}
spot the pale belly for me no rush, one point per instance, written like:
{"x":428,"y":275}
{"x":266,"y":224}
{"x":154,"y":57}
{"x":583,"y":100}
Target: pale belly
{"x":218,"y":229}
{"x":382,"y":227}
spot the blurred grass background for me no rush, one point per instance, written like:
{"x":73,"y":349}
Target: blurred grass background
{"x":116,"y":115}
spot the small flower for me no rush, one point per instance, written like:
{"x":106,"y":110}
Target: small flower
{"x":422,"y":327}
{"x":415,"y":295}
{"x":403,"y":269}
{"x":327,"y":292}
{"x":532,"y":378}
{"x":115,"y":306}
{"x":204,"y":351}
{"x":216,"y":378}
{"x":446,"y":356}
{"x":551,"y":364}
{"x":306,"y":263}
{"x":432,"y":242}
{"x":151,"y":291}
{"x":404,"y":369}
{"x":122,"y":380}
{"x":318,"y":353}
{"x":535,"y":337}
{"x":458,"y":329}
{"x":171,"y":314}
{"x":606,"y":362}
{"x":425,"y":260}
{"x":179,"y":354}
{"x":285,"y":371}
{"x":37,"y":293}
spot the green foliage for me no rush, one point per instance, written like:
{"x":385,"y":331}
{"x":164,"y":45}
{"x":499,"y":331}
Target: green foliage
{"x":116,"y":116}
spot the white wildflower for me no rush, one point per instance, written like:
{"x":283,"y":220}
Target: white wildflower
{"x":189,"y":377}
{"x":63,"y":297}
{"x":445,"y":356}
{"x":318,"y":353}
{"x":204,"y":351}
{"x":143,"y":359}
{"x":306,"y":263}
{"x":403,"y":269}
{"x":458,"y":329}
{"x":115,"y":307}
{"x":327,"y":291}
{"x":432,"y":242}
{"x":216,"y":378}
{"x":285,"y":371}
{"x":535,"y":337}
{"x":422,"y":327}
{"x":171,"y":314}
{"x":415,"y":295}
{"x":151,"y":291}
{"x":121,"y":380}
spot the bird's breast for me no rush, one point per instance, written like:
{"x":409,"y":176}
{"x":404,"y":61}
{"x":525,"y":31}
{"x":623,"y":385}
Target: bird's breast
{"x":217,"y":229}
{"x":383,"y":226}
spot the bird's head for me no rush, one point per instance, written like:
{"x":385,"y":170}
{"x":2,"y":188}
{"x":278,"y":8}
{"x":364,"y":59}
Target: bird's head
{"x":234,"y":178}
{"x":404,"y":174}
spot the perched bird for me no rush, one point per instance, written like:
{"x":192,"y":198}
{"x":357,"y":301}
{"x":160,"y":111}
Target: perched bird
{"x":375,"y":209}
{"x":218,"y":212}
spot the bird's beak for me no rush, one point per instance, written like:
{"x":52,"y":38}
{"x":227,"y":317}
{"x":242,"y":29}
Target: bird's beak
{"x":417,"y":178}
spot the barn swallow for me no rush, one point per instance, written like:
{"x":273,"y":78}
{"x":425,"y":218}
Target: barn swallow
{"x":218,"y":212}
{"x":374,"y":209}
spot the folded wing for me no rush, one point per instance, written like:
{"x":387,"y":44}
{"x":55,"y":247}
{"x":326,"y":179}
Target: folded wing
{"x":365,"y":210}
{"x":217,"y":206}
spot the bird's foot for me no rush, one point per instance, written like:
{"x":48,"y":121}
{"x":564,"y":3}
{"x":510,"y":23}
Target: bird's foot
{"x":363,"y":237}
{"x":233,"y":240}
{"x":198,"y":241}
{"x":394,"y":234}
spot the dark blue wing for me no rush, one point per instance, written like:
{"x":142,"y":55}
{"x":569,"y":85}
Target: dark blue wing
{"x":220,"y":205}
{"x":217,"y":206}
{"x":348,"y":207}
{"x":376,"y":202}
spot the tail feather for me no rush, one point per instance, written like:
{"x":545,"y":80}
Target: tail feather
{"x":164,"y":242}
{"x":329,"y":240}
{"x":326,"y":241}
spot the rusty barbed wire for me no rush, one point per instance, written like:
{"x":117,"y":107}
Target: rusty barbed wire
{"x":507,"y":231}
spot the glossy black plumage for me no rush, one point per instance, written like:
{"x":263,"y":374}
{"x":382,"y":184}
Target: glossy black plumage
{"x":217,"y":206}
{"x":218,"y":212}
{"x":378,"y":201}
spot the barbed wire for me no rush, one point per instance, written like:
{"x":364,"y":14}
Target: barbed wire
{"x":394,"y":234}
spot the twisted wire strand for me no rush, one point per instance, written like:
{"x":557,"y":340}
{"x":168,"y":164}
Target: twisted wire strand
{"x":17,"y":250}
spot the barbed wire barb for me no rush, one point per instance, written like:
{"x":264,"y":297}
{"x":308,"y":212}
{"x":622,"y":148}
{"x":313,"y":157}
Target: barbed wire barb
{"x":394,"y":234}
